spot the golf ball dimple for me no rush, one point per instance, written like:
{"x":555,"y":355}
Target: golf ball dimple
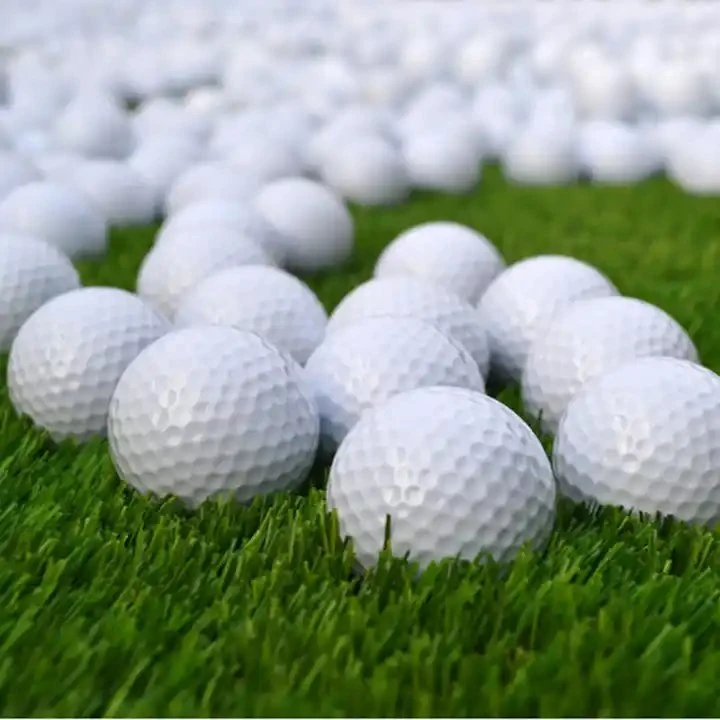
{"x":212,"y":411}
{"x":645,"y":436}
{"x":70,"y":353}
{"x":457,"y":473}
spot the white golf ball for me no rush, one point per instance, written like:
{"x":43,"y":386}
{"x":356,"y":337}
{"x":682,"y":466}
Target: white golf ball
{"x":522,"y":300}
{"x":447,"y":253}
{"x":14,"y":172}
{"x":211,"y":181}
{"x":31,"y":273}
{"x":202,"y":216}
{"x":313,"y":225}
{"x":368,"y":171}
{"x":456,"y":472}
{"x":212,"y":411}
{"x":368,"y":362}
{"x":174,"y":266}
{"x":264,"y":300}
{"x":645,"y":436}
{"x":69,"y":354}
{"x":541,"y":156}
{"x":592,"y":337}
{"x":93,"y":125}
{"x":117,"y":190}
{"x":58,"y":214}
{"x":441,"y":162}
{"x":409,"y":297}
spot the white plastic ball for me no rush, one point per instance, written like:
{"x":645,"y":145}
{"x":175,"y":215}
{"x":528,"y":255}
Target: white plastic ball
{"x":31,"y":273}
{"x":521,"y":301}
{"x":588,"y":339}
{"x":58,"y":214}
{"x":447,"y":253}
{"x":209,"y":412}
{"x":457,"y":473}
{"x":264,"y":300}
{"x":70,"y":353}
{"x":368,"y":362}
{"x":645,"y":436}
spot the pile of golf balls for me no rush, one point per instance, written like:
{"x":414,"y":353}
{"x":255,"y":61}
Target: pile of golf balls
{"x":223,"y":374}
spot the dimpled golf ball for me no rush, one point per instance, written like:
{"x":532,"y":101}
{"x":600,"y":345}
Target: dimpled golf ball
{"x":313,"y":225}
{"x":369,"y":362}
{"x":212,"y":411}
{"x":204,"y":216}
{"x":411,"y":297}
{"x":70,"y":353}
{"x":522,"y":300}
{"x":446,"y":253}
{"x":122,"y":195}
{"x":58,"y":214}
{"x":176,"y":265}
{"x":592,"y":337}
{"x":31,"y":273}
{"x":456,"y":472}
{"x":645,"y":436}
{"x":264,"y":300}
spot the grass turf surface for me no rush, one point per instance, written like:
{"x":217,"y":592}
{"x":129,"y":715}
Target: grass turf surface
{"x":113,"y":605}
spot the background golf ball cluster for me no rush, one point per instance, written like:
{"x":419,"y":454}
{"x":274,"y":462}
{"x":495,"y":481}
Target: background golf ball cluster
{"x":223,"y":374}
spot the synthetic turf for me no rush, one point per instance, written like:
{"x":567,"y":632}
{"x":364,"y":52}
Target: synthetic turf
{"x":114,"y":605}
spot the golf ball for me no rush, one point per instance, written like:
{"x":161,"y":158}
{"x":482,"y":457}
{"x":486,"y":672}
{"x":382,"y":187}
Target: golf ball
{"x":645,"y":436}
{"x":456,"y":473}
{"x":70,"y":353}
{"x":212,"y":411}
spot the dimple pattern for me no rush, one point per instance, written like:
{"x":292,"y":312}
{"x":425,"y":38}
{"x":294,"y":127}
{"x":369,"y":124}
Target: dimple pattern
{"x":31,"y":273}
{"x":369,"y":362}
{"x":69,"y":355}
{"x":645,"y":436}
{"x":521,"y":301}
{"x":590,"y":338}
{"x":210,"y":411}
{"x":264,"y":300}
{"x":176,"y":265}
{"x":457,"y":472}
{"x":410,"y":297}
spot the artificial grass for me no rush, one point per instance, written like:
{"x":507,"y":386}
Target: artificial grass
{"x":111,"y":605}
